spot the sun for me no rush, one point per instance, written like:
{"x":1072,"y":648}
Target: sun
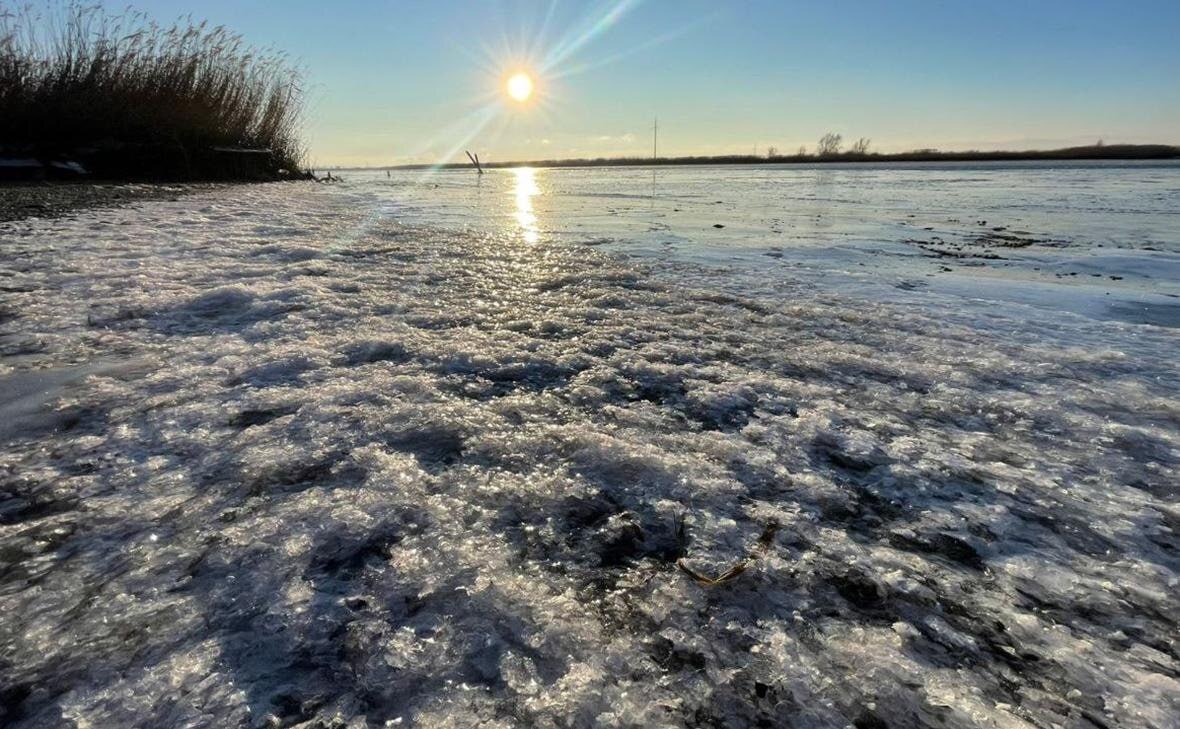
{"x":520,"y":86}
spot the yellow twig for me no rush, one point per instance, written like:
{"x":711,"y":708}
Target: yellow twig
{"x":760,"y":548}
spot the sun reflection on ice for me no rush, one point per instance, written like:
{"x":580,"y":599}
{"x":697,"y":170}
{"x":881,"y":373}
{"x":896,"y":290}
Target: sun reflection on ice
{"x":526,"y":188}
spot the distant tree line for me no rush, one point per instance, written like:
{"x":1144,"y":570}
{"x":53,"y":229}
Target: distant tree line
{"x":829,"y":145}
{"x":855,"y":154}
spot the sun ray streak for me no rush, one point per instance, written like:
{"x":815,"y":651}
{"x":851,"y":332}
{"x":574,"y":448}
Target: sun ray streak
{"x":543,"y":33}
{"x":535,"y":58}
{"x":460,"y":127}
{"x":485,"y":117}
{"x":566,"y":48}
{"x":646,"y":45}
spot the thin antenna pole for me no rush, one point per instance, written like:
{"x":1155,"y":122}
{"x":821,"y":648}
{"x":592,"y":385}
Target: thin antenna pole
{"x":655,"y":138}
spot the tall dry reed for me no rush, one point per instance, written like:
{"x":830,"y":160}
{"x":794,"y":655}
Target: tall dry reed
{"x":75,"y":75}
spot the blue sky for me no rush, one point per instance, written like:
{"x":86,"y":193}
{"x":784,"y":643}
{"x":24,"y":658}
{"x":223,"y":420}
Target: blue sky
{"x":395,"y":82}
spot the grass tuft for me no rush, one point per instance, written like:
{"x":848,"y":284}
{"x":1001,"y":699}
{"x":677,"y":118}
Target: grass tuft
{"x":75,"y":77}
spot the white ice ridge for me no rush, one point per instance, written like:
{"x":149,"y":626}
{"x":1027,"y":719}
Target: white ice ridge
{"x":357,"y":474}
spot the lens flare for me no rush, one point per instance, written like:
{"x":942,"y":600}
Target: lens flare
{"x":520,"y":86}
{"x":526,"y":71}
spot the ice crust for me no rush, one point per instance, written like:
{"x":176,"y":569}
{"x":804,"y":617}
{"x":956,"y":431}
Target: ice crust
{"x":376,"y":475}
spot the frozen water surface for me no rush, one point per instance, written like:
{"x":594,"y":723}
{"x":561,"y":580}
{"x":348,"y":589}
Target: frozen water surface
{"x":303,"y":457}
{"x":1084,"y":237}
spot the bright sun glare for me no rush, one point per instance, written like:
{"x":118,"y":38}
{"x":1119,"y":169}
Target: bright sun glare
{"x":520,"y":86}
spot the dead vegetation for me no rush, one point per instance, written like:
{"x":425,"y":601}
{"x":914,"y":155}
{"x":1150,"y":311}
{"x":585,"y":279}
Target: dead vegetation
{"x":765,"y":540}
{"x":76,"y":80}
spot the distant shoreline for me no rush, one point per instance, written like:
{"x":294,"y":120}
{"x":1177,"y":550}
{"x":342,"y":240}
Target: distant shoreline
{"x":1113,"y":152}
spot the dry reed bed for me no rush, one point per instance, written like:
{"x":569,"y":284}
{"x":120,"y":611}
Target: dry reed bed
{"x":75,"y":77}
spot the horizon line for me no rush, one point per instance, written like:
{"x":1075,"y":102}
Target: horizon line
{"x":1113,"y":151}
